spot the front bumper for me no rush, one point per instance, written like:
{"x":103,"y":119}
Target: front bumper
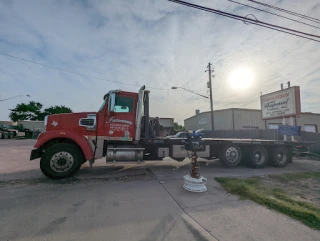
{"x":35,"y":153}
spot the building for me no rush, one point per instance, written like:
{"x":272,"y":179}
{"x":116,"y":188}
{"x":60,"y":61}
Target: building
{"x":167,"y":126}
{"x":239,"y":119}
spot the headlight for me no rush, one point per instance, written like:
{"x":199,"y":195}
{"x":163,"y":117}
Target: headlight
{"x":45,"y":121}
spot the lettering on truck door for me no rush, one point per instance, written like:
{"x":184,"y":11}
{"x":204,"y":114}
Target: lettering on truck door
{"x":120,"y":125}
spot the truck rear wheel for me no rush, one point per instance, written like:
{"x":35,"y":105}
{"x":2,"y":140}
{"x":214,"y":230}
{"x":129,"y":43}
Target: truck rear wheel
{"x":11,"y":135}
{"x":230,"y":155}
{"x":61,"y":161}
{"x":5,"y":135}
{"x":258,"y":157}
{"x":280,"y":156}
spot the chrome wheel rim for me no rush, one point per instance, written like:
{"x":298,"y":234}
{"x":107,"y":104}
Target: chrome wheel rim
{"x":281,"y":157}
{"x":61,"y":161}
{"x":232,"y":154}
{"x":258,"y":157}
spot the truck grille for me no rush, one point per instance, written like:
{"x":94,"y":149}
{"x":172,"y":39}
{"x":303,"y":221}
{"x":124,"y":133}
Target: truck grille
{"x":87,"y":122}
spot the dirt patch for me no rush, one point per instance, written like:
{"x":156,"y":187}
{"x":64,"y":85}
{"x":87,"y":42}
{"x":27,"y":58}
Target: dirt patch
{"x":299,"y":186}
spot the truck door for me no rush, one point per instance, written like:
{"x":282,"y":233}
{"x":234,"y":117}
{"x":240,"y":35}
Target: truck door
{"x":120,"y":124}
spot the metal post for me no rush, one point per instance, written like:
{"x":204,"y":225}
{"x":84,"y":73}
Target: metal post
{"x":146,"y":116}
{"x":284,"y":123}
{"x":211,"y":101}
{"x":291,"y":123}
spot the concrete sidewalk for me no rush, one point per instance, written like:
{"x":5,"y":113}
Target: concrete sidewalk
{"x":137,"y":210}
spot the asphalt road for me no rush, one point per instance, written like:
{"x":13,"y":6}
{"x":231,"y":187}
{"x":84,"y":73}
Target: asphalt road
{"x":128,"y":202}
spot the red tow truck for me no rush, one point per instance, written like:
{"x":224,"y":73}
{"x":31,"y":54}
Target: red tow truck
{"x":122,"y":131}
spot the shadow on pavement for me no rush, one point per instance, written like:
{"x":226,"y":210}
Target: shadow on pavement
{"x":164,"y":170}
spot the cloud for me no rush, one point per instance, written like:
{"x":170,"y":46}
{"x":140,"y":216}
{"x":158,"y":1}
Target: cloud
{"x":157,"y":43}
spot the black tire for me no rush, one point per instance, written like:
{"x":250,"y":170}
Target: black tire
{"x":52,"y":165}
{"x":230,"y":155}
{"x":11,"y":135}
{"x":84,"y":161}
{"x":280,"y":156}
{"x":290,"y":157}
{"x":258,"y":157}
{"x":5,"y":135}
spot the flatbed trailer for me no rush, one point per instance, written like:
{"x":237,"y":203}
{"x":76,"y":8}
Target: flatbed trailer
{"x":122,"y":131}
{"x":255,"y":152}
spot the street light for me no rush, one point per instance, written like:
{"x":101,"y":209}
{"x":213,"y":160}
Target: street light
{"x":175,"y":87}
{"x":14,"y":97}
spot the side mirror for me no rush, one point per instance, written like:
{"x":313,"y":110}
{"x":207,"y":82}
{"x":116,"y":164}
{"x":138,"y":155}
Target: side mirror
{"x":111,"y":103}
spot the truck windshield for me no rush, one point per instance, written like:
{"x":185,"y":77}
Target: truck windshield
{"x":103,"y":104}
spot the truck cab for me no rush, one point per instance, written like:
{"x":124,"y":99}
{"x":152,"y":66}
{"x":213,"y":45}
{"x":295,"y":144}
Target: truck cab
{"x":114,"y":131}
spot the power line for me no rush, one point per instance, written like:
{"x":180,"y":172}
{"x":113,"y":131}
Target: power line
{"x":72,"y":72}
{"x":245,"y":51}
{"x":287,"y":11}
{"x":252,"y":101}
{"x":181,"y":96}
{"x":278,"y":15}
{"x":255,"y":22}
{"x":184,"y":115}
{"x":306,"y":75}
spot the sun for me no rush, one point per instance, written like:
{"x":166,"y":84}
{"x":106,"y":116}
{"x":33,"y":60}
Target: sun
{"x":240,"y":78}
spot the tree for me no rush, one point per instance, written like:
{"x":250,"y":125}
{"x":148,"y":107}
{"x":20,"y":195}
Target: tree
{"x":57,"y":110}
{"x":177,"y":127}
{"x":30,"y":111}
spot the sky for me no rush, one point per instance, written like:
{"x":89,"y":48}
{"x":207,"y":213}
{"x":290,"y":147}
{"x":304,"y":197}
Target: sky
{"x":124,"y":44}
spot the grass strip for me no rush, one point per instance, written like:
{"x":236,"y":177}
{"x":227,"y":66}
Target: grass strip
{"x":251,"y":188}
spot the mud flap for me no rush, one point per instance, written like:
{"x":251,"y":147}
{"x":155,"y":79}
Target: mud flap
{"x":35,"y":153}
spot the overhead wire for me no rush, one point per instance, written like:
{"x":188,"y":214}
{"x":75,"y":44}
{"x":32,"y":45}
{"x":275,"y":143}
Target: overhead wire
{"x":230,"y":58}
{"x":193,"y":79}
{"x":286,"y":11}
{"x":245,"y":51}
{"x":72,"y":72}
{"x":186,"y":114}
{"x":278,"y":15}
{"x":295,"y":81}
{"x":254,"y":22}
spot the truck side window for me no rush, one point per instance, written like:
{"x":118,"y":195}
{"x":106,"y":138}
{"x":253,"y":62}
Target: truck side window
{"x":123,"y":104}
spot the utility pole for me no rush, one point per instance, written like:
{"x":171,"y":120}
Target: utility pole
{"x":211,"y":101}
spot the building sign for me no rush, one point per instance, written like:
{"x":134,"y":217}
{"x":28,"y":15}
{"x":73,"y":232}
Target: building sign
{"x":289,"y":130}
{"x":281,"y":103}
{"x":202,"y":121}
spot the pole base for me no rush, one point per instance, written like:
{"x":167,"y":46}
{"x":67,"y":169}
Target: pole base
{"x":195,"y":184}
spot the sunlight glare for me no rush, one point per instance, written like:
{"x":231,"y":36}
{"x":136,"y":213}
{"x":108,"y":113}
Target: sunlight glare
{"x":240,"y":78}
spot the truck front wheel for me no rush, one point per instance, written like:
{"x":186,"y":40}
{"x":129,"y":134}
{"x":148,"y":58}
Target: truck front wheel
{"x":61,"y":161}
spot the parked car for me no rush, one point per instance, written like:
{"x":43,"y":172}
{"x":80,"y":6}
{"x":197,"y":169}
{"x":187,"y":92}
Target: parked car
{"x":183,"y":134}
